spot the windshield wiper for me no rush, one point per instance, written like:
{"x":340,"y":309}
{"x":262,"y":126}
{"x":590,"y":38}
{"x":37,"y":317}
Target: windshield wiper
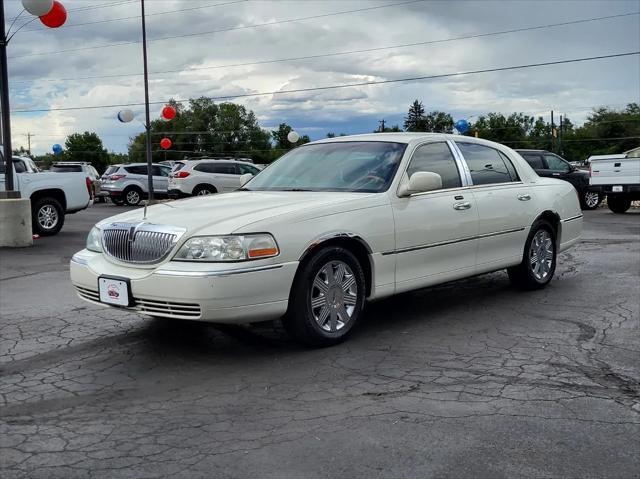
{"x":243,"y":189}
{"x":294,"y":189}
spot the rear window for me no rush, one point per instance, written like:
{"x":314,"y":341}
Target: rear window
{"x":111,"y":170}
{"x":66,"y":168}
{"x":178,"y":166}
{"x":535,"y":161}
{"x":137,"y":170}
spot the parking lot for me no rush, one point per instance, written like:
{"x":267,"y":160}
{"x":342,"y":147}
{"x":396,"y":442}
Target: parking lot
{"x":470,"y":379}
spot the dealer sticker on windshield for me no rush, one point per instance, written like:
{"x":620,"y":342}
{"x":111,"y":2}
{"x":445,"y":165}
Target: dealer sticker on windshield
{"x":113,"y":291}
{"x":617,"y":189}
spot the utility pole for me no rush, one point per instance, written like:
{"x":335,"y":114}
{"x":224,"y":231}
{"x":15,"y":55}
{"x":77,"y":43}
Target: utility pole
{"x":4,"y":107}
{"x":147,"y":125}
{"x":381,"y":128}
{"x":29,"y":135}
{"x":553,"y":130}
{"x":560,"y":138}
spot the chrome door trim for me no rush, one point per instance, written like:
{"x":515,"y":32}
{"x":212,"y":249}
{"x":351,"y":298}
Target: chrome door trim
{"x":572,"y":218}
{"x":462,"y":164}
{"x":208,"y":274}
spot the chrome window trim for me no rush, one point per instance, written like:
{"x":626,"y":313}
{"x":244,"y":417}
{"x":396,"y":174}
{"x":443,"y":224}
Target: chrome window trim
{"x":462,"y":163}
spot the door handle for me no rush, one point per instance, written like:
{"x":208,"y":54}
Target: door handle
{"x":555,"y":174}
{"x":465,"y":205}
{"x":524,"y":197}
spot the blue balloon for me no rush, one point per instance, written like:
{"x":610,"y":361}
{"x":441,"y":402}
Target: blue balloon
{"x":57,"y":149}
{"x":462,"y":126}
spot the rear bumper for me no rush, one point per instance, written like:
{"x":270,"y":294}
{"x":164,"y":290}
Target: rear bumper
{"x":633,"y":190}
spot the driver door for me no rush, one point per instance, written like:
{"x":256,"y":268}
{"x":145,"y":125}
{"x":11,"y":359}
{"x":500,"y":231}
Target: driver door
{"x":436,"y":231}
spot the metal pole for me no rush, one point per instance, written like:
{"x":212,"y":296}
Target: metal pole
{"x":4,"y":105}
{"x":552,"y":139}
{"x":147,"y":125}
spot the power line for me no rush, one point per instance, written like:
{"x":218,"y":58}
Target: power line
{"x":93,"y":7}
{"x":347,"y":85}
{"x":185,"y":35}
{"x":138,"y":16}
{"x":332,"y":54}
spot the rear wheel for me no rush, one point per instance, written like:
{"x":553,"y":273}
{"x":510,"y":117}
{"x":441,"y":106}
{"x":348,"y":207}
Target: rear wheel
{"x":539,"y":259}
{"x":327,"y":298}
{"x":618,"y":204}
{"x":132,"y":196}
{"x":590,"y":200}
{"x":47,"y":216}
{"x":203,"y":190}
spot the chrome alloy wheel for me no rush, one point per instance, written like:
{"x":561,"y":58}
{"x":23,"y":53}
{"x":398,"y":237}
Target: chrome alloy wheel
{"x":591,"y":199}
{"x":541,"y":254}
{"x":48,"y":217}
{"x":133,"y":197}
{"x":334,"y":295}
{"x":203,"y":192}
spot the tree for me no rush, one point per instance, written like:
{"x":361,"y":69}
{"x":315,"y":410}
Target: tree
{"x":439,"y":122}
{"x":281,"y":139}
{"x":87,"y":147}
{"x":415,"y":119}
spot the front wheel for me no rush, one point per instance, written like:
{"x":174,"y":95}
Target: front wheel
{"x":47,"y":216}
{"x":618,"y":204}
{"x":590,"y":200}
{"x":539,"y":259}
{"x":327,"y":298}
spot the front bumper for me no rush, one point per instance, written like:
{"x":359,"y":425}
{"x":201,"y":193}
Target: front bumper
{"x":214,"y":292}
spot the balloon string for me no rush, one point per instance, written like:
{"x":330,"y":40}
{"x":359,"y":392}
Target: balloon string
{"x":14,"y":21}
{"x":21,"y":26}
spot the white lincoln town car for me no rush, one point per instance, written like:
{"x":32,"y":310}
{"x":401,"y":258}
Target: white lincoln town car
{"x":330,"y":226}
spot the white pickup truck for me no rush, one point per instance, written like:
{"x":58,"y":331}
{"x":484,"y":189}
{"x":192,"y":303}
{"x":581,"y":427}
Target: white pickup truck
{"x":618,"y":177}
{"x":52,"y":194}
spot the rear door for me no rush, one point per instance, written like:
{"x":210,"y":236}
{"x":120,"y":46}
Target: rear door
{"x":561,"y":169}
{"x":227,"y":177}
{"x":160,"y":178}
{"x":503,"y":202}
{"x":436,"y":231}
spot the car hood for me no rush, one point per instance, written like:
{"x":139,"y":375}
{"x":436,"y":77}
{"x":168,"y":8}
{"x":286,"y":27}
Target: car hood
{"x":226,"y":213}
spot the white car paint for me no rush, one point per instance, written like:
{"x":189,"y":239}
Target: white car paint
{"x":412,"y":242}
{"x":208,"y":175}
{"x":614,"y":170}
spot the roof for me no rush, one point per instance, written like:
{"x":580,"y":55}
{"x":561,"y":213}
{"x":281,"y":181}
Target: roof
{"x":531,"y":150}
{"x":395,"y":137}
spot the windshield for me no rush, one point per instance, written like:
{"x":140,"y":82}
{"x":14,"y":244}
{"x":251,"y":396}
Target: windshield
{"x":358,"y":166}
{"x":66,"y":168}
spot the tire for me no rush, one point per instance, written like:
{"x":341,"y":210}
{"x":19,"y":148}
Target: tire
{"x":47,"y":216}
{"x":203,"y":190}
{"x":132,"y":196}
{"x":590,"y":200}
{"x":316,"y":315}
{"x":530,"y":275}
{"x":618,"y":204}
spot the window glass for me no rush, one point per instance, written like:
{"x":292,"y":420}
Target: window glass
{"x":534,"y":160}
{"x":437,"y":158}
{"x":111,"y":170}
{"x":244,"y":169}
{"x":556,"y":163}
{"x":220,"y":168}
{"x":137,"y":170}
{"x":19,"y":166}
{"x":165,"y":170}
{"x":66,"y":168}
{"x":510,"y":168}
{"x":178,"y":165}
{"x":486,"y":164}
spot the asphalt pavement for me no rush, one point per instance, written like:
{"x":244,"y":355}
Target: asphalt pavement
{"x":472,"y":379}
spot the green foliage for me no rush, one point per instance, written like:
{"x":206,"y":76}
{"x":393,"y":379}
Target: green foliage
{"x":415,"y":119}
{"x":87,"y":147}
{"x":439,"y":122}
{"x":282,"y":143}
{"x":387,"y":129}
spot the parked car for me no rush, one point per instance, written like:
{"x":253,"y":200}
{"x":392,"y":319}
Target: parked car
{"x":207,"y":176}
{"x":617,"y":177}
{"x":550,"y":165}
{"x":52,"y":195}
{"x":128,"y":184}
{"x":92,"y":175}
{"x":331,"y":225}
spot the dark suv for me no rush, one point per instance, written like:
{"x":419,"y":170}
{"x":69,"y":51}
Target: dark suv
{"x":551,"y":165}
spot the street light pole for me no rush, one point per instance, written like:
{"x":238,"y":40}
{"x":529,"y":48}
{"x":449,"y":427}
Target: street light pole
{"x":4,"y":106}
{"x":147,"y":125}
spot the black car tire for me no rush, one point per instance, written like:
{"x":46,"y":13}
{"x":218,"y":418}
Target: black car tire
{"x":203,"y":190}
{"x":524,"y":275}
{"x":47,"y":216}
{"x":323,"y":325}
{"x":132,"y":196}
{"x":590,"y":200}
{"x":618,"y":204}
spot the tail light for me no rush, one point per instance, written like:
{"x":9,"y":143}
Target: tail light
{"x":116,"y":177}
{"x":89,"y":185}
{"x":181,"y":174}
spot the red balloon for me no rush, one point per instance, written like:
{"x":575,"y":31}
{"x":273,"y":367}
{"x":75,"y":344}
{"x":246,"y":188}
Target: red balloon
{"x":165,"y":143}
{"x":56,"y":16}
{"x":168,"y":112}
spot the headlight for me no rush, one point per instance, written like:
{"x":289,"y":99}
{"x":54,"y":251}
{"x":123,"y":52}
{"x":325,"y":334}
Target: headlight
{"x":94,"y":240}
{"x":228,"y":248}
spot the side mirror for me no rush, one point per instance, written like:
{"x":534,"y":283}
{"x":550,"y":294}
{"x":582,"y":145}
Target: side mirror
{"x":244,"y":179}
{"x":421,"y":182}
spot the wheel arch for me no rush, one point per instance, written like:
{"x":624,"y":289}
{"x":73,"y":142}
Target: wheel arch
{"x":54,"y":193}
{"x":554,"y":219}
{"x":351,"y":242}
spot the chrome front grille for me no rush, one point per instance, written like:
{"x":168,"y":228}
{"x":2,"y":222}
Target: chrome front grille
{"x":141,"y":243}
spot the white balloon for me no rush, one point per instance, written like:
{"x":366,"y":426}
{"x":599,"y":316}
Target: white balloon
{"x":37,"y":7}
{"x":125,"y":116}
{"x":293,"y":137}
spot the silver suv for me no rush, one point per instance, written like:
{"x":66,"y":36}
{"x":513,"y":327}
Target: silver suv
{"x":127,"y":184}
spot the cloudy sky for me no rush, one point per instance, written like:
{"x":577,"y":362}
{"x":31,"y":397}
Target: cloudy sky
{"x":96,"y":59}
